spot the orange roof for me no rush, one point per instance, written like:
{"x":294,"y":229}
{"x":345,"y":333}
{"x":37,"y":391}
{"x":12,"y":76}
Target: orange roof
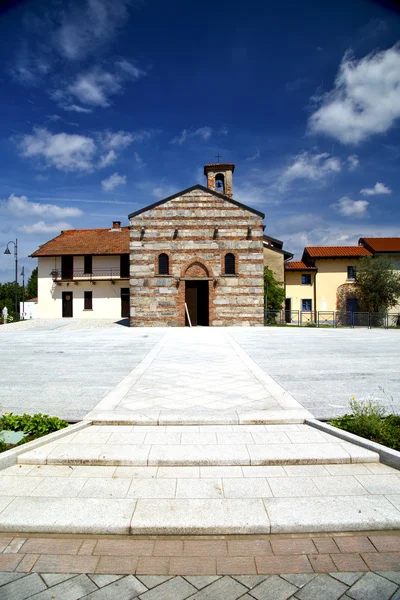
{"x":87,"y":241}
{"x":336,"y":251}
{"x":382,"y":244}
{"x":298,"y":266}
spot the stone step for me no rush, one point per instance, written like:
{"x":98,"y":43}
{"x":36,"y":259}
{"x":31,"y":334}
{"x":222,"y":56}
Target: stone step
{"x":199,"y":500}
{"x":198,"y":446}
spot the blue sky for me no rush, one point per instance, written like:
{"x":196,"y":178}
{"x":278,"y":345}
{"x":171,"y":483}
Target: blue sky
{"x":108,"y":106}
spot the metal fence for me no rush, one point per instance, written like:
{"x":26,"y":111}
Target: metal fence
{"x":331,"y":318}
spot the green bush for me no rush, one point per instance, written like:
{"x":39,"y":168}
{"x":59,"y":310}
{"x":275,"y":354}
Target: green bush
{"x":34,"y":425}
{"x":369,"y":420}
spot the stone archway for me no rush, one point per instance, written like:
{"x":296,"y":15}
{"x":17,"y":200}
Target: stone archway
{"x":196,"y":269}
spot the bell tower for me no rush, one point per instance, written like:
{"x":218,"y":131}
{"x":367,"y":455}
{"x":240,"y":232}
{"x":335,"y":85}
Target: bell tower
{"x":219,"y":177}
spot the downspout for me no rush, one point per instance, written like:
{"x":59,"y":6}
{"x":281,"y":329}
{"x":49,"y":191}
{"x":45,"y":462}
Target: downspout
{"x":315,"y":296}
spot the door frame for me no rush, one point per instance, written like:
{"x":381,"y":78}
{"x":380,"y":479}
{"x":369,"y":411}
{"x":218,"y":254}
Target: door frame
{"x":63,"y":304}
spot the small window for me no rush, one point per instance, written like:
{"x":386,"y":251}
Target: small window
{"x":163,"y":264}
{"x":351,"y":273}
{"x":306,"y":305}
{"x":87,"y":264}
{"x":229,"y":264}
{"x":306,"y":279}
{"x":88,"y":301}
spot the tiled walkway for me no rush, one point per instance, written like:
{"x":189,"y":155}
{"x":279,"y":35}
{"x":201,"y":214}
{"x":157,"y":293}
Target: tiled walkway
{"x":362,"y":567}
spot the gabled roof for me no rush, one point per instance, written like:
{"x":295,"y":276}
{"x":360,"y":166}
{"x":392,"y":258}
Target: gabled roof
{"x":298,"y":266}
{"x":387,"y":244}
{"x":87,"y":241}
{"x":196,"y":187}
{"x":334,"y":252}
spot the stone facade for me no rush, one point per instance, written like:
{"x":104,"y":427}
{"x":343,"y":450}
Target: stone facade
{"x":196,"y":229}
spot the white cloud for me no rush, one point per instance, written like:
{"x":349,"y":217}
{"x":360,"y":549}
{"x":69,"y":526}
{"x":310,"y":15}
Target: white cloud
{"x":95,"y":87}
{"x":254,"y":156}
{"x":108,"y":159}
{"x":129,"y":69}
{"x":365,"y":99}
{"x":42,"y":227}
{"x":87,"y":25}
{"x":21,"y":207}
{"x":76,"y":108}
{"x":353,"y":161}
{"x":351,"y":208}
{"x":117,"y":139}
{"x":139,"y":162}
{"x":163,"y":191}
{"x":315,"y":167}
{"x":113,"y":181}
{"x":64,"y":151}
{"x":379,"y":188}
{"x":202,"y":132}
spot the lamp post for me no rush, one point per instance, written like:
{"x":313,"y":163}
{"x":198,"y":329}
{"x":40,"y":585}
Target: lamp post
{"x":23,"y":293}
{"x":7,"y":251}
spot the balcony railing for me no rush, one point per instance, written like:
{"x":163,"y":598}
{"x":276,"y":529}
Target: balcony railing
{"x":332,"y":318}
{"x":96,"y":275}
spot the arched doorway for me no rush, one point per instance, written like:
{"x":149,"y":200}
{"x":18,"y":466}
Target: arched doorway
{"x":197,"y":295}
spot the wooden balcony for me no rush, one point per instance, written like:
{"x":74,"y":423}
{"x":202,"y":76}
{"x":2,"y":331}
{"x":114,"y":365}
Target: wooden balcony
{"x":96,"y":275}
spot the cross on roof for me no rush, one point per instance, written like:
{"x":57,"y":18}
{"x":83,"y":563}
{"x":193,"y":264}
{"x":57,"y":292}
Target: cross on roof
{"x":218,"y":156}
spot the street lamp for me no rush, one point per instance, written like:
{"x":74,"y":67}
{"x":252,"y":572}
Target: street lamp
{"x":23,"y":293}
{"x":7,"y":251}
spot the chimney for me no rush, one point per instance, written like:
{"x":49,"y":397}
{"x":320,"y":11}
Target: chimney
{"x":116,"y":225}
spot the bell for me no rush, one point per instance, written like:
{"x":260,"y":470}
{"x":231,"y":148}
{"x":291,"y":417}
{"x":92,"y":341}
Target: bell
{"x":219,"y":184}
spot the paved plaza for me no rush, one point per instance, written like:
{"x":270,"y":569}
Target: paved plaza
{"x":66,"y":368}
{"x":197,"y":432}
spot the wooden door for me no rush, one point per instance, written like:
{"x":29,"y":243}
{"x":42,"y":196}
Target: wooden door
{"x":191,"y":302}
{"x":67,"y":267}
{"x":125,"y":304}
{"x":67,"y":298}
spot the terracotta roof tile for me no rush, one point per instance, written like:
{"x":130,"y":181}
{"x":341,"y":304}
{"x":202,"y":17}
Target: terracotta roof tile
{"x":87,"y":241}
{"x":298,"y":266}
{"x":382,"y":244}
{"x":336,"y":251}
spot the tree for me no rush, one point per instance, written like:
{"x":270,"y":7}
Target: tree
{"x":31,"y":290}
{"x":273,"y":291}
{"x":377,"y":284}
{"x":7,"y":298}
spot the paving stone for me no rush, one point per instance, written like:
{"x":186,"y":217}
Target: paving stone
{"x":238,"y":547}
{"x":123,"y":589}
{"x":124,"y":547}
{"x":51,"y":546}
{"x":322,"y":586}
{"x":9,"y":562}
{"x":347,"y":578}
{"x":349,"y":562}
{"x":123,"y":565}
{"x":283,"y":564}
{"x":199,"y":488}
{"x":173,"y":589}
{"x":386,"y":543}
{"x":153,"y":565}
{"x":236,"y":565}
{"x":298,"y":579}
{"x":246,"y":488}
{"x":250,"y":581}
{"x":388,"y":561}
{"x":51,"y":579}
{"x":102,"y":580}
{"x":391,"y":575}
{"x":205,"y":548}
{"x":293,"y":546}
{"x":72,"y":589}
{"x":27,"y":563}
{"x":8,"y":577}
{"x":201,"y":581}
{"x":226,"y":588}
{"x":325,"y":545}
{"x":168,"y":548}
{"x":192,"y":565}
{"x":151,"y":581}
{"x":373,"y":587}
{"x":274,"y":588}
{"x":354,"y":544}
{"x":22,"y":588}
{"x":64,"y":563}
{"x":321,"y":563}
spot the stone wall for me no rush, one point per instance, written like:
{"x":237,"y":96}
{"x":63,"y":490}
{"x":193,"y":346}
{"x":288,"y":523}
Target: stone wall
{"x":184,"y":228}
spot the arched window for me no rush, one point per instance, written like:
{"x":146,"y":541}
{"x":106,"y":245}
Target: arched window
{"x":229,"y":264}
{"x":163,"y":264}
{"x":220,"y":183}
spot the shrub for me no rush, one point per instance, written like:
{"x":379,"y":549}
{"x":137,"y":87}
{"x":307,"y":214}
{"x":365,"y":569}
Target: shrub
{"x":34,"y":425}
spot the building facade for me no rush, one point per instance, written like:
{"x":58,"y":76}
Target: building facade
{"x":323,"y":280}
{"x":196,"y":257}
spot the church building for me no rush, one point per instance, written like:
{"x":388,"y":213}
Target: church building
{"x":194,"y":258}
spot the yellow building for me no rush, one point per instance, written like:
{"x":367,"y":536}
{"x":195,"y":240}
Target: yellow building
{"x":323,"y":279}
